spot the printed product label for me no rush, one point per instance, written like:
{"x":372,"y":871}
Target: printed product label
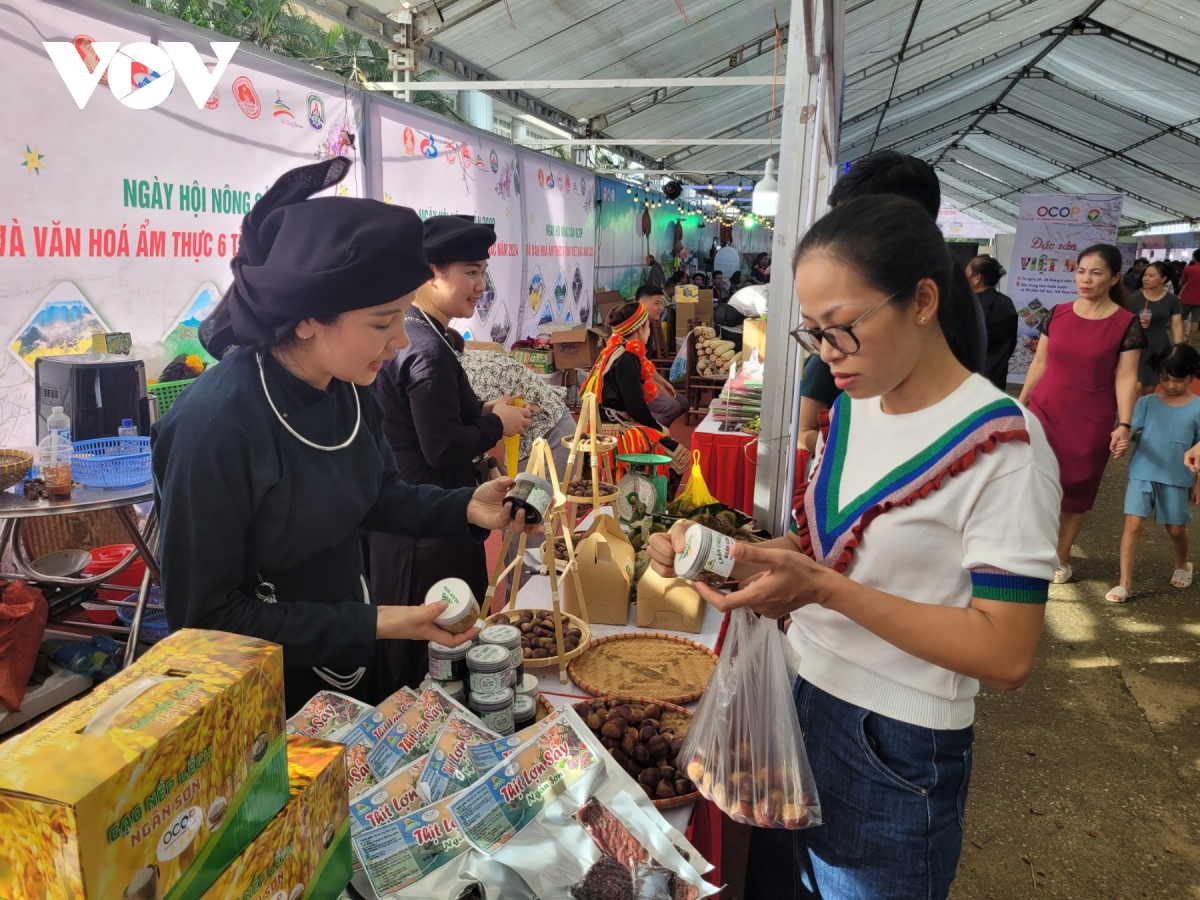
{"x":500,"y":720}
{"x":441,"y":669}
{"x":450,"y":767}
{"x":492,"y":682}
{"x":398,"y":854}
{"x":410,"y":736}
{"x":518,"y":659}
{"x":720,"y":556}
{"x":325,"y":714}
{"x":539,"y":498}
{"x":514,"y":793}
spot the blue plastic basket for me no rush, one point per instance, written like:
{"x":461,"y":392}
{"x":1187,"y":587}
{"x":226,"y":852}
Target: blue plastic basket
{"x":108,"y":462}
{"x":154,"y":619}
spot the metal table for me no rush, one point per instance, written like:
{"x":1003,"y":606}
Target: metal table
{"x":15,"y":510}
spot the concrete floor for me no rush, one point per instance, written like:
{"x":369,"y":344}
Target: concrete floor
{"x":1087,"y":780}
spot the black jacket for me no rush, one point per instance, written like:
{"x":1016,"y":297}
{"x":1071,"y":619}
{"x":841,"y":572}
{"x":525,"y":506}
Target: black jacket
{"x":1000,"y":320}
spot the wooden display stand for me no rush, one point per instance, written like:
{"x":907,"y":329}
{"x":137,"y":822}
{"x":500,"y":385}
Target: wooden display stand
{"x":599,"y":448}
{"x":541,"y":463}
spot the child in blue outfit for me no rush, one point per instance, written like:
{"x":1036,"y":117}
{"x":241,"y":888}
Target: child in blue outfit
{"x":1165,"y":425}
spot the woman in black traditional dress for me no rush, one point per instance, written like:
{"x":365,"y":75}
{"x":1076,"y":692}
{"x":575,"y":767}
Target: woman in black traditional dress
{"x":268,"y":465}
{"x":438,"y":429}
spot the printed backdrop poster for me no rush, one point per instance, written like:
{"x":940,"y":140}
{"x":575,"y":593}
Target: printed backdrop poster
{"x":622,"y":245}
{"x":438,"y":169}
{"x":1051,"y":230}
{"x":560,"y":240}
{"x":118,"y":219}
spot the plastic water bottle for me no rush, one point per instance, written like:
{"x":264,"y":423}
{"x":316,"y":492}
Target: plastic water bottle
{"x":59,"y":422}
{"x":127,"y":430}
{"x":54,"y":463}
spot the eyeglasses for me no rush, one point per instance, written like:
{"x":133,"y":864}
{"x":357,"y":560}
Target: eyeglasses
{"x":841,"y":337}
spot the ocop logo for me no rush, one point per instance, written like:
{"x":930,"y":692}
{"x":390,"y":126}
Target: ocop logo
{"x":118,"y":62}
{"x":177,"y":836}
{"x":1057,"y":212}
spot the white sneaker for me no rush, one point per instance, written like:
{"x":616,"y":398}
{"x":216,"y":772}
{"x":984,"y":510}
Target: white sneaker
{"x":1062,"y":575}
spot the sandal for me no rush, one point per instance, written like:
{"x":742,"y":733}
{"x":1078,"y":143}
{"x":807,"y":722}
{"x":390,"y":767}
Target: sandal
{"x":1118,"y":595}
{"x":1182,"y":577}
{"x":1063,"y":574}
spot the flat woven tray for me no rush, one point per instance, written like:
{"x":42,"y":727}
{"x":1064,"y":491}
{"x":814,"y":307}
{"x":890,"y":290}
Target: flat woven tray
{"x":568,"y":619}
{"x":644,"y":667}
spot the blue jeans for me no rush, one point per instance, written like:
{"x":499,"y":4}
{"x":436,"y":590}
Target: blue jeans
{"x":892,"y":796}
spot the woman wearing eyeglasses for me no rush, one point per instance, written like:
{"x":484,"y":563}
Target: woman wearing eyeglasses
{"x":917,"y":567}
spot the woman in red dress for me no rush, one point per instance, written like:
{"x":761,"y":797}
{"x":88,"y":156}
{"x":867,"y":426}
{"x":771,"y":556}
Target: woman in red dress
{"x":1081,"y":382}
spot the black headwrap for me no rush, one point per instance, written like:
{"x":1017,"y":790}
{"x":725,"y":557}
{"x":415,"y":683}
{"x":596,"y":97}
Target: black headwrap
{"x":301,"y":258}
{"x":457,"y":239}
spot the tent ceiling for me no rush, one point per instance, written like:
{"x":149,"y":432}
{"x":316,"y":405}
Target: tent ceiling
{"x":1001,"y":96}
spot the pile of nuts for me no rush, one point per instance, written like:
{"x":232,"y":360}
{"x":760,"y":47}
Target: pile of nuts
{"x":769,"y":798}
{"x":637,"y":739}
{"x":582,"y":487}
{"x":537,"y":632}
{"x":35,"y":489}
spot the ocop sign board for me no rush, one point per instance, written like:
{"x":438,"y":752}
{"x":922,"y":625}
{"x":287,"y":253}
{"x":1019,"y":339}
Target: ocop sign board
{"x":117,"y":63}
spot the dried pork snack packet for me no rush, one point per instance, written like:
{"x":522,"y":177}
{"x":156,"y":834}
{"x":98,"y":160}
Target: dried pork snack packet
{"x":491,"y":753}
{"x":411,"y":735}
{"x":528,"y":802}
{"x":362,"y":736}
{"x":327,"y":713}
{"x":450,"y":768}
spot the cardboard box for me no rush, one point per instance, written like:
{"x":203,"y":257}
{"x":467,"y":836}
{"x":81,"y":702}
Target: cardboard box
{"x":304,"y":852}
{"x":605,"y":558}
{"x":151,"y":785}
{"x":540,"y":361}
{"x":754,"y":334}
{"x":684,"y":311}
{"x":703,"y":300}
{"x":118,"y":343}
{"x":672,"y":604}
{"x":484,"y":345}
{"x":576,"y":348}
{"x":606,"y":302}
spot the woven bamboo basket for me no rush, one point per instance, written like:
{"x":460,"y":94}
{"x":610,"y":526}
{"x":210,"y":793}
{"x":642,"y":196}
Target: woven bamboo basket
{"x":644,"y":667}
{"x":568,"y":620}
{"x":14,"y":465}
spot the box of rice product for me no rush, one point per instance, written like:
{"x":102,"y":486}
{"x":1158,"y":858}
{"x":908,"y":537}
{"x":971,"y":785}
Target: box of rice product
{"x":149,"y":787}
{"x":304,"y":852}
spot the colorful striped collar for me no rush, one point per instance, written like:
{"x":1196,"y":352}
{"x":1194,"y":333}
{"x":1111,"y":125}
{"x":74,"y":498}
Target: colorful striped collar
{"x":833,"y":529}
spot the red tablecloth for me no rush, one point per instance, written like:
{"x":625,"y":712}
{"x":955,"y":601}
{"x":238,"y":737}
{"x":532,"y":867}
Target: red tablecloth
{"x":728,"y":461}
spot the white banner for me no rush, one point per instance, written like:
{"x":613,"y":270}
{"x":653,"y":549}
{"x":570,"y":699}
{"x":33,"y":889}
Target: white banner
{"x":439,"y":169}
{"x":955,"y":223}
{"x":560,"y":241}
{"x":122,"y":219}
{"x":1051,"y":232}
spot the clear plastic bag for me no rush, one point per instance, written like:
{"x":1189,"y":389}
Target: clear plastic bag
{"x":744,"y":750}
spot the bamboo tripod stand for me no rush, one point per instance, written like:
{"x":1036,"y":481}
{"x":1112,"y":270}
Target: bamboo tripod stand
{"x":558,"y":518}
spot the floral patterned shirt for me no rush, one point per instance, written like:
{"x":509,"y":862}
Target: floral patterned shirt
{"x":494,"y":374}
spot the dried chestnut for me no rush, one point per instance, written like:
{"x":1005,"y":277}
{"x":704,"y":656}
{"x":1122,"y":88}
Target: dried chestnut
{"x":595,"y":720}
{"x":664,"y":791}
{"x":582,"y":710}
{"x":598,"y":703}
{"x":648,"y":777}
{"x":658,"y":748}
{"x":653,"y":711}
{"x":624,"y":712}
{"x":501,"y":619}
{"x":628,"y":742}
{"x":676,"y":747}
{"x":635,"y":716}
{"x":526,"y":627}
{"x":647,"y":734}
{"x":615,"y":728}
{"x":682,"y":787}
{"x":666,"y":772}
{"x":652,"y":722}
{"x":609,"y":744}
{"x":541,"y":654}
{"x":620,"y":757}
{"x":640,"y":754}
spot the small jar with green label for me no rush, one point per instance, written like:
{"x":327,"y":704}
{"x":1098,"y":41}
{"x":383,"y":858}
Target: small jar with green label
{"x":704,"y":550}
{"x":495,"y":710}
{"x":490,"y":668}
{"x":524,"y":711}
{"x":508,"y":637}
{"x":530,"y":493}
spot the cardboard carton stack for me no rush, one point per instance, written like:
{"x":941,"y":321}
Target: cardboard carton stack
{"x":152,"y":785}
